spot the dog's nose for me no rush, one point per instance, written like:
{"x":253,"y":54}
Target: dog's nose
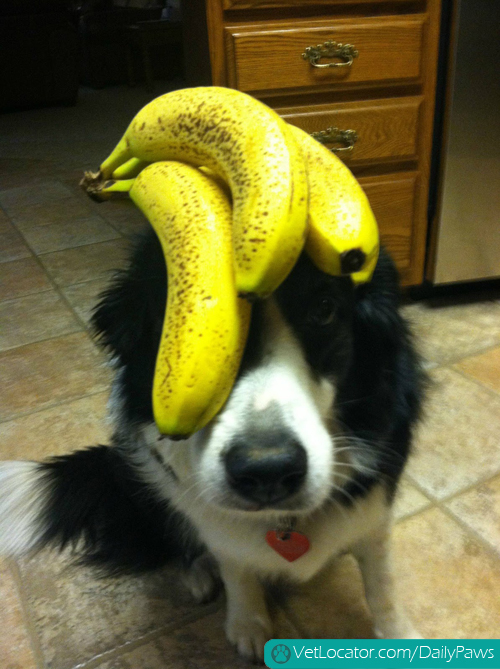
{"x":266,"y":473}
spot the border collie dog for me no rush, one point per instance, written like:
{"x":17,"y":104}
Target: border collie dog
{"x":299,"y":466}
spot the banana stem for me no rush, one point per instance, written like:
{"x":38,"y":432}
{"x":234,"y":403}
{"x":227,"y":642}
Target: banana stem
{"x":130,"y":169}
{"x":120,"y":155}
{"x":111,"y":190}
{"x":100,"y":190}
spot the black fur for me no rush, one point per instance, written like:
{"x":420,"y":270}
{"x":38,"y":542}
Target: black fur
{"x":120,"y":526}
{"x":380,"y":397}
{"x":352,"y":334}
{"x":366,"y":346}
{"x":128,"y":323}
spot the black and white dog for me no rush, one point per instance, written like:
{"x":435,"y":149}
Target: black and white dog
{"x":300,"y":465}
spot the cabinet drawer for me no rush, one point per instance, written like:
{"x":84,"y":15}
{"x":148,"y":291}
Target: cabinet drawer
{"x":259,"y":4}
{"x":393,"y":200}
{"x":387,"y":130}
{"x":261,"y":59}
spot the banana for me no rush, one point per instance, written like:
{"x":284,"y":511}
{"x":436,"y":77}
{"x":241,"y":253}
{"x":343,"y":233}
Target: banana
{"x":250,"y":147}
{"x":343,"y":234}
{"x":206,"y":323}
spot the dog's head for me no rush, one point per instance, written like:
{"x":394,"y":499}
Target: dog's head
{"x":273,"y":444}
{"x":314,"y":370}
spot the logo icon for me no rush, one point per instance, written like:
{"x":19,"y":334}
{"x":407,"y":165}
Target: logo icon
{"x":281,"y":653}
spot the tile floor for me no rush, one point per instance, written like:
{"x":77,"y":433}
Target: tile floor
{"x":56,"y":252}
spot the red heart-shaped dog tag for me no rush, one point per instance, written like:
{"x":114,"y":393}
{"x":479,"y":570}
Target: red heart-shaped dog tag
{"x":289,"y":544}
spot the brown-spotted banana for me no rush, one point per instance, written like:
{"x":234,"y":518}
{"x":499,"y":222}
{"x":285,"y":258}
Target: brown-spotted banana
{"x":343,"y":235}
{"x":251,"y":148}
{"x":206,"y":323}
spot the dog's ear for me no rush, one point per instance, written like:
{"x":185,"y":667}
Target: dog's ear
{"x":130,"y":312}
{"x":377,"y":314}
{"x":385,"y":372}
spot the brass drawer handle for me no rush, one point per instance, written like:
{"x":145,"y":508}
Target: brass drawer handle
{"x":337,"y":136}
{"x":330,"y":49}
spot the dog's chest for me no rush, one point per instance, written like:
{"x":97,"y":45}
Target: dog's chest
{"x":330,"y":531}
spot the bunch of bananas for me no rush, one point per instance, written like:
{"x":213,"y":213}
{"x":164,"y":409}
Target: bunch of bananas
{"x":234,"y":194}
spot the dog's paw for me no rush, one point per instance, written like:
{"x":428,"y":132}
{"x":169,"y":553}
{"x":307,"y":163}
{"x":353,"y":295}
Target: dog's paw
{"x":202,"y":579}
{"x":249,"y":635}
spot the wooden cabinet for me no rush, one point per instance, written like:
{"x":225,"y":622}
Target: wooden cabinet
{"x":382,"y":89}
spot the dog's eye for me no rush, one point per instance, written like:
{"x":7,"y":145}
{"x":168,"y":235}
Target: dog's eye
{"x":323,"y":312}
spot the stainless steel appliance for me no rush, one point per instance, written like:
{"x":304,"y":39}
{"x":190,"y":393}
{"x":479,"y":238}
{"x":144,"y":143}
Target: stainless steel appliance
{"x":467,"y":242}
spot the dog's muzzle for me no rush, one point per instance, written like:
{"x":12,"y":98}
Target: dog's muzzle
{"x":266,"y":469}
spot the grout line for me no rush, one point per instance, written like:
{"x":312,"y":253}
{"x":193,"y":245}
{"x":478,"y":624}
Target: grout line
{"x":442,"y":505}
{"x":59,"y":291}
{"x":453,"y":361}
{"x":421,"y":489}
{"x":480,"y":481}
{"x":35,"y":292}
{"x":56,"y":286}
{"x":29,"y":624}
{"x":129,"y":646}
{"x":21,"y":297}
{"x":53,"y":406}
{"x":442,"y":500}
{"x":46,"y":339}
{"x":411,"y":514}
{"x":490,"y":549}
{"x":78,"y":246}
{"x":465,"y":527}
{"x":82,"y":283}
{"x":495,"y":394}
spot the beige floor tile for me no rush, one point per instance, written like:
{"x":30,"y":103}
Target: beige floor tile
{"x":66,"y":427}
{"x":85,"y":263}
{"x":457,"y":442}
{"x":46,"y":191}
{"x":33,"y":318}
{"x":15,"y":647}
{"x":199,"y":645}
{"x":83,"y":297}
{"x":480,"y":509}
{"x":332,"y":605}
{"x":78,"y":616}
{"x":408,"y":500}
{"x":447,"y":332}
{"x":70,"y":234}
{"x":22,"y":277}
{"x":40,"y":375}
{"x":448,"y":582}
{"x":50,"y":213}
{"x":12,"y":246}
{"x":485,"y":368}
